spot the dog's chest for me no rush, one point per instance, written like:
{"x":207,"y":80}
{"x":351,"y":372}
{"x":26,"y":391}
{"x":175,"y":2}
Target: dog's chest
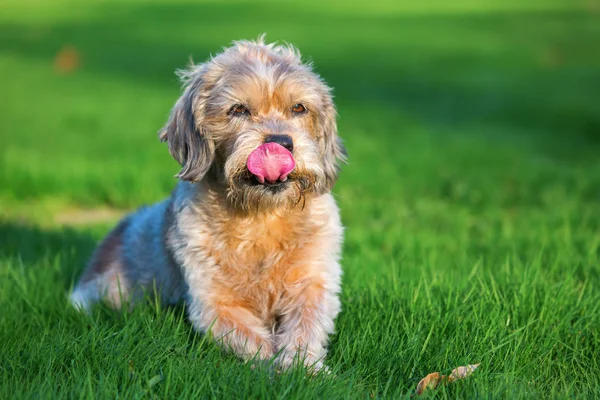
{"x":258,"y":258}
{"x":260,"y":245}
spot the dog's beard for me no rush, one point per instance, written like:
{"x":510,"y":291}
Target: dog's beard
{"x":246,"y":194}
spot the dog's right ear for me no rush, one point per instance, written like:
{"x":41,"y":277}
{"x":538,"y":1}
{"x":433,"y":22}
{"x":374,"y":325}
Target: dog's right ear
{"x":184,"y":133}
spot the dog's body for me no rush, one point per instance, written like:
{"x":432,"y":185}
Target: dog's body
{"x":251,"y":236}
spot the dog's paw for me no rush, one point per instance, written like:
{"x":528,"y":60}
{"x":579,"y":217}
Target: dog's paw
{"x":312,"y":366}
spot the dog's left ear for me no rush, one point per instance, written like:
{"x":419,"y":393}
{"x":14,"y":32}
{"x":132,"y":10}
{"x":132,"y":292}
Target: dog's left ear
{"x":184,"y":133}
{"x":332,"y":148}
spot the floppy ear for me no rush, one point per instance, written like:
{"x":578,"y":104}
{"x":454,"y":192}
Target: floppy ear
{"x":184,"y":133}
{"x":332,"y":148}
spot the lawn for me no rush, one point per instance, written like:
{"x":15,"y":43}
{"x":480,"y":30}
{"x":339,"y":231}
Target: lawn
{"x":471,"y":199}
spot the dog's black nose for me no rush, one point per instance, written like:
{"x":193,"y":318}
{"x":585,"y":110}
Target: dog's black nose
{"x":282,"y":140}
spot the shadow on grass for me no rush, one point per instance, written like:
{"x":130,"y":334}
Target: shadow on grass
{"x":45,"y":263}
{"x":36,"y":247}
{"x":535,"y":71}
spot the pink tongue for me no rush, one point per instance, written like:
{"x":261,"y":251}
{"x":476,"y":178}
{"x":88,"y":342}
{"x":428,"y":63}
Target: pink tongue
{"x":271,"y":162}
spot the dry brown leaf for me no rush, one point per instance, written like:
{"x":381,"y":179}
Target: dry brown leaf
{"x":462,"y":372}
{"x":66,"y":60}
{"x":434,"y":379}
{"x":431,"y":381}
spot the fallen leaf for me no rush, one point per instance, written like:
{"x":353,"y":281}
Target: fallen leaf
{"x":462,"y":372}
{"x":66,"y":60}
{"x":431,"y":381}
{"x":434,"y":379}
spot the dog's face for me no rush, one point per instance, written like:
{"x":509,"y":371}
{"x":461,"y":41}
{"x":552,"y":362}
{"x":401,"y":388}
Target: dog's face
{"x":257,"y":122}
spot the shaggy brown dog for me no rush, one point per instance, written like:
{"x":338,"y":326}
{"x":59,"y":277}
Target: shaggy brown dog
{"x":251,"y":236}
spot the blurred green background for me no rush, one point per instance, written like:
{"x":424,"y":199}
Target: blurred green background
{"x":409,"y":77}
{"x":473,"y":129}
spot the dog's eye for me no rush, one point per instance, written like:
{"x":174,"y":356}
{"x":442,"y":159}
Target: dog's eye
{"x":298,"y":109}
{"x":239,"y":110}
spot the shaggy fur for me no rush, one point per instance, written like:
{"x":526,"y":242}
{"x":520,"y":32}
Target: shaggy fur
{"x":257,"y":264}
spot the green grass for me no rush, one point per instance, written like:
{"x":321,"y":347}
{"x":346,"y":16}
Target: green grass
{"x":471,"y":200}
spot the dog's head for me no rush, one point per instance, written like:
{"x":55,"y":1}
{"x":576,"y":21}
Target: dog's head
{"x":258,"y":122}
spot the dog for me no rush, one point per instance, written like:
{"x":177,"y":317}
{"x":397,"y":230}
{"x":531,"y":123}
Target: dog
{"x":251,"y":236}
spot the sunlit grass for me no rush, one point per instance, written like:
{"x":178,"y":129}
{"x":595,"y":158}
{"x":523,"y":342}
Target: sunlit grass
{"x":471,"y":199}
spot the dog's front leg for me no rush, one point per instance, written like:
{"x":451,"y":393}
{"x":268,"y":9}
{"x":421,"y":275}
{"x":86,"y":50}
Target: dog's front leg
{"x":306,"y":321}
{"x":232,"y":325}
